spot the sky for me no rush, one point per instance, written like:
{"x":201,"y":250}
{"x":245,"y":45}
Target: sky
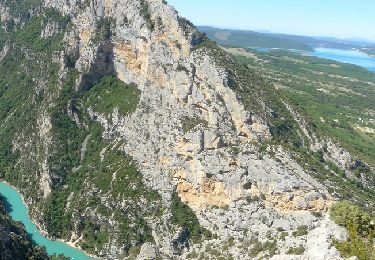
{"x":334,"y":18}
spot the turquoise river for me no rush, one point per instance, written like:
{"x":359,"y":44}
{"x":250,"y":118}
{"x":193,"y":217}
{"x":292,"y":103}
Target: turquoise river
{"x":19,"y":212}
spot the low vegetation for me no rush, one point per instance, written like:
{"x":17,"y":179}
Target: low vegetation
{"x":110,"y":93}
{"x":361,"y":226}
{"x":190,"y":123}
{"x":145,"y":12}
{"x":269,"y":247}
{"x":296,"y":250}
{"x":104,"y":32}
{"x":301,"y":231}
{"x":183,"y":216}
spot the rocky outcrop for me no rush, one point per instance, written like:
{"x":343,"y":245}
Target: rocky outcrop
{"x":214,"y":166}
{"x":4,"y":14}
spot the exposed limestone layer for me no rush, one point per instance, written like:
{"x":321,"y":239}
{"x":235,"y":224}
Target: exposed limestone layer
{"x":176,"y":82}
{"x":44,"y":122}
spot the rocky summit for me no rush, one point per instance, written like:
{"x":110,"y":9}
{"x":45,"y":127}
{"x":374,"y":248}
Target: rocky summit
{"x":131,"y":135}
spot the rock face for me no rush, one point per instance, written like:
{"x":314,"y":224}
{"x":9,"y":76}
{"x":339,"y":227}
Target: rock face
{"x":177,"y":82}
{"x":190,"y":134}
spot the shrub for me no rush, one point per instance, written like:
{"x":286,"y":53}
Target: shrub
{"x":104,"y":29}
{"x":301,"y":231}
{"x":357,"y":246}
{"x":347,"y":214}
{"x":190,"y":123}
{"x":296,"y":250}
{"x":283,"y":235}
{"x":361,"y":230}
{"x":258,"y":247}
{"x":145,"y":12}
{"x":192,"y":255}
{"x":110,"y":93}
{"x":184,"y":216}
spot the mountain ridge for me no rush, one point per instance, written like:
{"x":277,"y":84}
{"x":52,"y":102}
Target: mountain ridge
{"x":145,"y":137}
{"x":254,"y":39}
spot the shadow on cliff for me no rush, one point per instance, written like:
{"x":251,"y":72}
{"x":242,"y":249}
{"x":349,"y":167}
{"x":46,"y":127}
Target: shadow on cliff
{"x":102,"y":66}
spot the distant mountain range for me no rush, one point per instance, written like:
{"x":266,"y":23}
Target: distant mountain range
{"x":248,"y":39}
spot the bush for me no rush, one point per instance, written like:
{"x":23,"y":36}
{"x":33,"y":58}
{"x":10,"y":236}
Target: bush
{"x":110,"y":93}
{"x":145,"y":12}
{"x":361,"y":226}
{"x":104,"y":29}
{"x":296,"y":250}
{"x":357,"y":246}
{"x":301,"y":231}
{"x":283,"y":235}
{"x":184,"y":216}
{"x":190,"y":123}
{"x":349,"y":215}
{"x":258,"y":247}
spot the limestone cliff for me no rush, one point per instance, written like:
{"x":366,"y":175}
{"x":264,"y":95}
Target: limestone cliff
{"x":107,"y":180}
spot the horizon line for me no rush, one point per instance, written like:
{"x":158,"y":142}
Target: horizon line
{"x":266,"y":31}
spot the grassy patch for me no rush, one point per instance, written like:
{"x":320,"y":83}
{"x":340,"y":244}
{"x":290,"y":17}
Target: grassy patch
{"x":146,"y":14}
{"x":184,"y":216}
{"x":110,"y":93}
{"x":296,"y":250}
{"x":258,"y":247}
{"x":361,"y":226}
{"x":301,"y":231}
{"x":190,"y":123}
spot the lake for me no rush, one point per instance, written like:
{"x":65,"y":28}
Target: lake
{"x":19,"y":212}
{"x":346,"y":56}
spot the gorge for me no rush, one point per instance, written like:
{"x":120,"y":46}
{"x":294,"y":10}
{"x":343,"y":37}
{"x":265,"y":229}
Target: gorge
{"x":133,"y":136}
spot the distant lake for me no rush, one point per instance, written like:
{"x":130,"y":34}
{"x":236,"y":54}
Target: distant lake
{"x":346,"y":56}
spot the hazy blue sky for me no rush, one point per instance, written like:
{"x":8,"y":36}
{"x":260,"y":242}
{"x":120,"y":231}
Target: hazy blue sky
{"x":339,"y":18}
